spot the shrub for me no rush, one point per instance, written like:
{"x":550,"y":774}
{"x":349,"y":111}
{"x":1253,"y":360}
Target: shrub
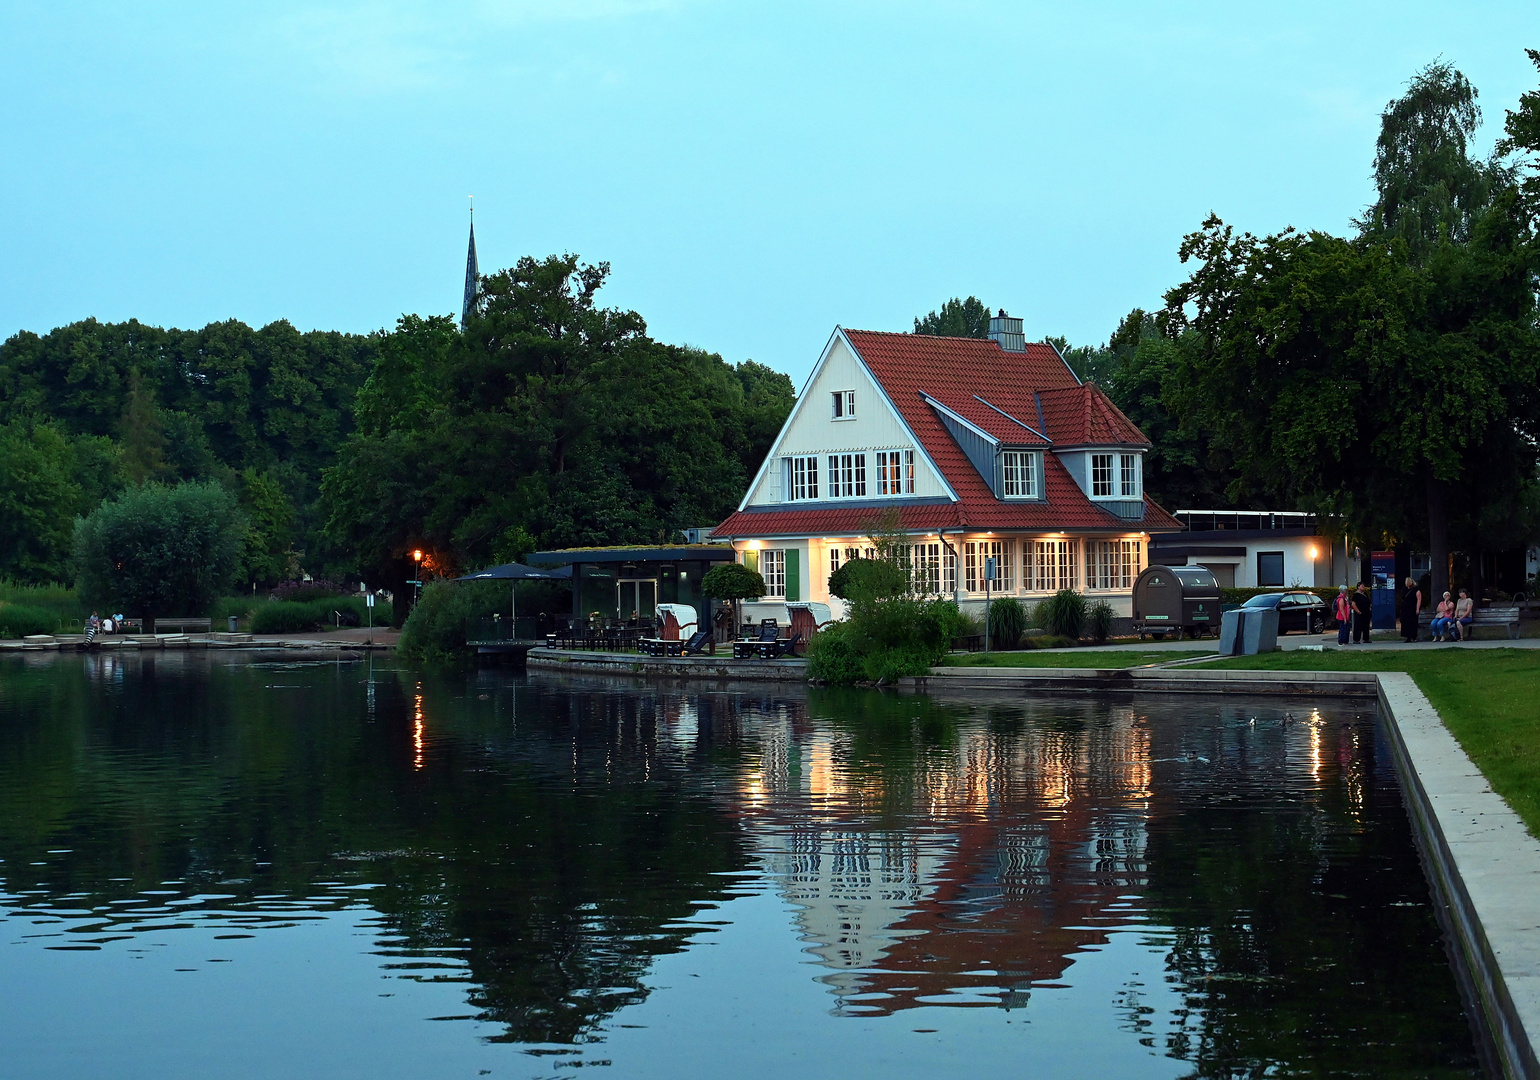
{"x":1099,"y":621}
{"x":885,"y":639}
{"x":308,"y":590}
{"x":868,"y":577}
{"x":1063,"y":613}
{"x":435,"y":631}
{"x":1007,"y":622}
{"x":19,"y":620}
{"x":832,"y":658}
{"x":158,"y":550}
{"x":296,"y":617}
{"x":59,"y":601}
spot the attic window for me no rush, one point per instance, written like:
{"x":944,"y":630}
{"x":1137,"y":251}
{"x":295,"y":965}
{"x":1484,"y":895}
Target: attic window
{"x":1018,"y":474}
{"x":844,"y":404}
{"x":1101,"y":476}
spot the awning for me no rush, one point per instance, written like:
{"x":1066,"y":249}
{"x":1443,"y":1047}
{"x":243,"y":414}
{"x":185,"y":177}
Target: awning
{"x":518,"y":572}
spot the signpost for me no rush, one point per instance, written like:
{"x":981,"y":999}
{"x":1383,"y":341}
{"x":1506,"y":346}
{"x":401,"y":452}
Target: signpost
{"x":369,"y":603}
{"x":989,"y":576}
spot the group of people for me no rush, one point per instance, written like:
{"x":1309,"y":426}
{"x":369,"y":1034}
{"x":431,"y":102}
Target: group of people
{"x":1354,"y":612}
{"x":98,"y":625}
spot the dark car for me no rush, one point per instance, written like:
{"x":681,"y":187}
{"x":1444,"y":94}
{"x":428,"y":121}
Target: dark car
{"x":1302,"y":611}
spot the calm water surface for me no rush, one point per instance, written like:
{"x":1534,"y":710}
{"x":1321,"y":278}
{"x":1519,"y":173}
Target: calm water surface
{"x":211,"y":867}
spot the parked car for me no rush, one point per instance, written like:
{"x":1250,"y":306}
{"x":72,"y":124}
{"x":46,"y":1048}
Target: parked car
{"x":1297,"y":610}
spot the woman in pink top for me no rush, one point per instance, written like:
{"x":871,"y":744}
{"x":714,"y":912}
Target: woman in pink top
{"x":1443,"y":618}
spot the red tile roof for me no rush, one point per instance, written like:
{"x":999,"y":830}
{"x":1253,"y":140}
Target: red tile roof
{"x":957,"y":372}
{"x":1083,"y":414}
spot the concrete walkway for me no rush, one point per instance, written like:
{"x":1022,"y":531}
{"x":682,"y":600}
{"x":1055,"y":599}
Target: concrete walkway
{"x":1385,"y":641}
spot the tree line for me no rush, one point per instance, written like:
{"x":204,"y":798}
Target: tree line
{"x":1387,"y":380}
{"x":549,"y":421}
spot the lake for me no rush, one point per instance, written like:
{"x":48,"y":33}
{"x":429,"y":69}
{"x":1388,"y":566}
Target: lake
{"x":216,"y":866}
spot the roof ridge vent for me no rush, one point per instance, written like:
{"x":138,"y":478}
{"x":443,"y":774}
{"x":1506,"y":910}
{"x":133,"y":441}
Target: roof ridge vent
{"x":1006,"y":332}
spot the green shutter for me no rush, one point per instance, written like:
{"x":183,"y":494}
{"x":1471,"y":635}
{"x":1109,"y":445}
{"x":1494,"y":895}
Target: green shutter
{"x":751,"y":560}
{"x":793,"y":578}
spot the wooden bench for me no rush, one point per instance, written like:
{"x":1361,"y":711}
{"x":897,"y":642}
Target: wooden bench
{"x":163,"y":626}
{"x":1506,"y":617}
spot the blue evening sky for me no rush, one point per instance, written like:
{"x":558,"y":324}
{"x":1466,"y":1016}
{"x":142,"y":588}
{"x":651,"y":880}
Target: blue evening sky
{"x":755,"y":173}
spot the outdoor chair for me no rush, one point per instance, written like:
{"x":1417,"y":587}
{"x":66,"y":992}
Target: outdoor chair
{"x":747,"y":650}
{"x":700,"y":641}
{"x":774,"y":650}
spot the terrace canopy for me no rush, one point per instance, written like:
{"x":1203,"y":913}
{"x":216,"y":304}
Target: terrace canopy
{"x":628,"y":583}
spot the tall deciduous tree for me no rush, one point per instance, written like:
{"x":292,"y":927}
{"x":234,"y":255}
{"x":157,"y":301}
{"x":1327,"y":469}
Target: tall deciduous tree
{"x":549,"y":417}
{"x":957,"y":318}
{"x":1430,"y":190}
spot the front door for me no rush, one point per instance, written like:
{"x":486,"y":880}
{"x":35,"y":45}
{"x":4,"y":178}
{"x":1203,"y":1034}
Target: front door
{"x":638,"y":598}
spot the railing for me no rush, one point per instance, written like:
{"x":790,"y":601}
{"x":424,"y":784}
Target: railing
{"x":480,"y":630}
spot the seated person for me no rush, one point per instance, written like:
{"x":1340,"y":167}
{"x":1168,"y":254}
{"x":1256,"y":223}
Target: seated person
{"x":1464,"y":611}
{"x":1443,"y":618}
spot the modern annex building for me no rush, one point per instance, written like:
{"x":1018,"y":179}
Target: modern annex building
{"x":986,"y":448}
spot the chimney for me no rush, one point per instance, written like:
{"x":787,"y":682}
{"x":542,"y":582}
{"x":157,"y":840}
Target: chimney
{"x":1006,"y":332}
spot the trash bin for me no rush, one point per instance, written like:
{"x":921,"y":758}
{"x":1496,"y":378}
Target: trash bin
{"x":1231,"y":636}
{"x":1260,"y":631}
{"x":232,"y":623}
{"x":1247,"y":631}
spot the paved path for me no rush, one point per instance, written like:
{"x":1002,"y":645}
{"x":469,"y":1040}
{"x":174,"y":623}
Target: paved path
{"x":1388,"y":642}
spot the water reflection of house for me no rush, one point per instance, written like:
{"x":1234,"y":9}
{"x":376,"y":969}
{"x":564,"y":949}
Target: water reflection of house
{"x":984,"y":869}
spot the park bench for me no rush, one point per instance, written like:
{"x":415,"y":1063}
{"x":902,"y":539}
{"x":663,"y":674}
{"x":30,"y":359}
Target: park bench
{"x":164,"y":626}
{"x":1505,"y":617}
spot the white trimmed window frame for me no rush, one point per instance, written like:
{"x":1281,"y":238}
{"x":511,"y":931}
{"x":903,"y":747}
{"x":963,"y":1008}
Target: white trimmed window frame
{"x":772,"y":567}
{"x":800,"y":477}
{"x":847,"y":475}
{"x":1102,"y":476}
{"x":1020,"y":474}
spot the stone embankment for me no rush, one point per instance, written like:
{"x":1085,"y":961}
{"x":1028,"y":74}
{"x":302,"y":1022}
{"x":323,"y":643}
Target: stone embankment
{"x":109,"y":642}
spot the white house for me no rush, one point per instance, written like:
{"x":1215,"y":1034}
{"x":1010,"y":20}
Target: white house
{"x":988,"y":449}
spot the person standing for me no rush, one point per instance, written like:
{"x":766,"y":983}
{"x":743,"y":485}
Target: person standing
{"x":1363,"y":614}
{"x":1411,"y":607}
{"x":1342,"y":611}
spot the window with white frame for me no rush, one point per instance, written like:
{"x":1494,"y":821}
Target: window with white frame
{"x":843,"y":406}
{"x":925,"y":568}
{"x":948,"y":570}
{"x":802,"y":477}
{"x":975,"y":552}
{"x":1113,"y":564}
{"x":834,"y":560}
{"x":1101,"y":475}
{"x":1055,"y":564}
{"x":890,"y":480}
{"x":772,"y":567}
{"x":847,"y":476}
{"x":908,"y":472}
{"x":1019,"y":474}
{"x":1128,"y":468}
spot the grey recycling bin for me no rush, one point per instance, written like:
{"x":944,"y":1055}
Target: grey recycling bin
{"x":232,"y":623}
{"x":1248,"y":631}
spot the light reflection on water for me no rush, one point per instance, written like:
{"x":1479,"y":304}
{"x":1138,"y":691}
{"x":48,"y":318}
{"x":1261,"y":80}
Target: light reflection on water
{"x":373,"y":872}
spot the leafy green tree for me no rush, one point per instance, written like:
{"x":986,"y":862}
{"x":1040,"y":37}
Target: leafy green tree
{"x":39,"y":499}
{"x":157,"y":550}
{"x":549,"y":420}
{"x":141,"y":433}
{"x":957,"y":318}
{"x":268,"y":556}
{"x":1520,"y":144}
{"x":1430,"y":190}
{"x":733,"y":582}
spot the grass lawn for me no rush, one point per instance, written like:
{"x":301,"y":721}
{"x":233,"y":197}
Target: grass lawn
{"x":1066,"y":658}
{"x":1489,"y":699}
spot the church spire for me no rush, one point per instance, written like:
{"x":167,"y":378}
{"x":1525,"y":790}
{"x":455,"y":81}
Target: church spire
{"x":472,"y":275}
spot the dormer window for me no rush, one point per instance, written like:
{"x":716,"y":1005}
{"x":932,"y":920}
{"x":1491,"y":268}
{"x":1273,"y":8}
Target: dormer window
{"x":1128,"y":468}
{"x":1101,"y":476}
{"x":844,"y":404}
{"x":1019,"y":475}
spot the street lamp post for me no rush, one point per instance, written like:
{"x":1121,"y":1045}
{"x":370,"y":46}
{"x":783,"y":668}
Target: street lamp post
{"x":417,"y":584}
